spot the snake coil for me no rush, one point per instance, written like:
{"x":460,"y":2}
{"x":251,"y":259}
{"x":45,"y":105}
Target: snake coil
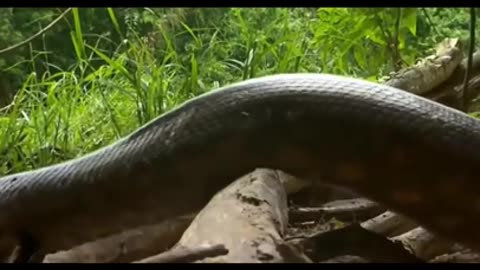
{"x":415,"y":156}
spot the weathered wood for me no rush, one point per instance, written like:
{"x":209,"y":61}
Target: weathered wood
{"x":186,"y":255}
{"x":431,"y":71}
{"x":464,"y":256}
{"x":389,"y":224}
{"x":373,"y":246}
{"x":292,"y":253}
{"x":346,"y":259}
{"x":128,"y":246}
{"x":424,"y":244}
{"x":345,"y":210}
{"x":355,"y":240}
{"x":440,"y":76}
{"x":145,"y":241}
{"x":249,"y":217}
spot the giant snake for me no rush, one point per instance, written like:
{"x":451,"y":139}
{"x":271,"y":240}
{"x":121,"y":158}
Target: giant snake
{"x":413,"y":155}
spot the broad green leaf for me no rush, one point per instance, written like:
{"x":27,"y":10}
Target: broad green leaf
{"x":409,"y":20}
{"x":359,"y":56}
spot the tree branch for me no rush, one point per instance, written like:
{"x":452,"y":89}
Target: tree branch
{"x":39,"y":33}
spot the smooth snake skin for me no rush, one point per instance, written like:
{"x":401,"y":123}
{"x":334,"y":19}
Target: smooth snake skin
{"x":415,"y":156}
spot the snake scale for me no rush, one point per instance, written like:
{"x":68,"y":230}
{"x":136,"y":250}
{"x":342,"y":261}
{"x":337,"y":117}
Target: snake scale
{"x":415,"y":156}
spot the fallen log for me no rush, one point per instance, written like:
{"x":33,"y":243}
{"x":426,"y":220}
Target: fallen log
{"x":185,"y":255}
{"x":464,"y":256}
{"x":424,"y":244}
{"x":249,"y":217}
{"x":431,"y":71}
{"x":384,"y":238}
{"x":389,"y":224}
{"x":344,"y":210}
{"x":128,"y":246}
{"x":346,"y":259}
{"x":357,"y":241}
{"x":145,"y":241}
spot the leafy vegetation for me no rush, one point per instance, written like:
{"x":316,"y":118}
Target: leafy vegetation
{"x":100,"y":73}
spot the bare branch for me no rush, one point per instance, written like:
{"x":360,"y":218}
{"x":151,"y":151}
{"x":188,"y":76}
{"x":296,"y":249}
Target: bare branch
{"x":186,"y":255}
{"x":39,"y":33}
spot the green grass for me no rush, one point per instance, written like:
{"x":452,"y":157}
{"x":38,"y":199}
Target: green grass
{"x":66,"y":113}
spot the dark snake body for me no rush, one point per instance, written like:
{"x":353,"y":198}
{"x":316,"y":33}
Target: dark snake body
{"x":415,"y":156}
